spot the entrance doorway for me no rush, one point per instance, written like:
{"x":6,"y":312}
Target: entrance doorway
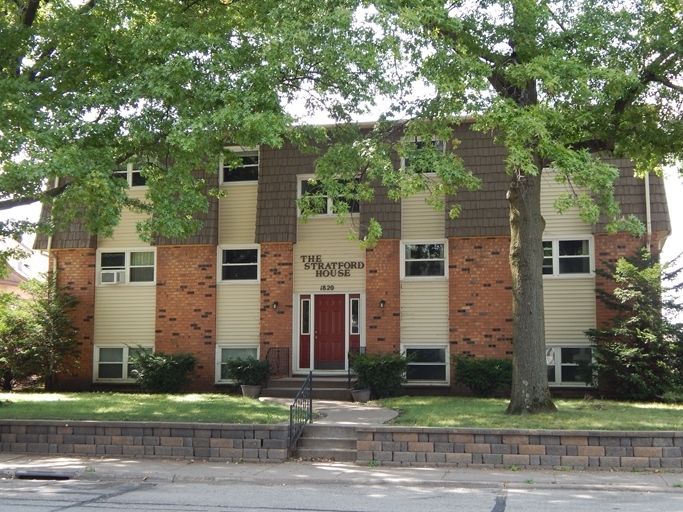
{"x":329,"y":326}
{"x":329,"y":343}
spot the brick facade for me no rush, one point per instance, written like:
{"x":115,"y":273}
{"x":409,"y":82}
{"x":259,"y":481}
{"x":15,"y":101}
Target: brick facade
{"x":609,"y":248}
{"x":76,"y":270}
{"x":277,"y":286}
{"x":480,"y":297}
{"x":186,"y":306}
{"x":382,"y":283}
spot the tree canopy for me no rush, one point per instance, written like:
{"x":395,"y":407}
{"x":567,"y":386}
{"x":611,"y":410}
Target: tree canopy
{"x":86,"y":88}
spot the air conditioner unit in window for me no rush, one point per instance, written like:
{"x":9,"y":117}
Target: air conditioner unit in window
{"x":113,"y":276}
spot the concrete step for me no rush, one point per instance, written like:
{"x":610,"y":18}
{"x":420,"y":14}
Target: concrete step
{"x":327,"y":442}
{"x":314,"y":443}
{"x":342,"y":395}
{"x":324,"y":388}
{"x":326,"y":453}
{"x":316,"y":430}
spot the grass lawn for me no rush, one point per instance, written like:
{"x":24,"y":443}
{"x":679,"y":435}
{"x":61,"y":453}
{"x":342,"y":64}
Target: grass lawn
{"x":204,"y":408}
{"x":571,"y":415}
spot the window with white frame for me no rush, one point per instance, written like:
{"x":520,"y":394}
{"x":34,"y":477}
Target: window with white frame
{"x":224,"y":353}
{"x":115,"y":362}
{"x":428,"y":364}
{"x":320,"y":203}
{"x":245,"y":169}
{"x":564,"y":364}
{"x":119,"y":267}
{"x":239,"y":264}
{"x":424,"y":259}
{"x":132,"y":173}
{"x":567,"y":257}
{"x":421,"y":160}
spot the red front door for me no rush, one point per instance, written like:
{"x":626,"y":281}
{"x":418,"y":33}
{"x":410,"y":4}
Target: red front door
{"x":330,"y":334}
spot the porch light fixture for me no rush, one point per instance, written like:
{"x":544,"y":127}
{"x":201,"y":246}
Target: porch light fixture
{"x":275,"y":305}
{"x":381,"y":303}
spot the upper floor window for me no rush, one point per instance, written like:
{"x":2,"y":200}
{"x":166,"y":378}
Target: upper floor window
{"x":567,"y":257}
{"x":239,"y":264}
{"x":246,"y":167}
{"x":132,"y":173}
{"x":319,"y":202}
{"x":420,"y":160}
{"x":424,"y":259}
{"x":117,"y":267}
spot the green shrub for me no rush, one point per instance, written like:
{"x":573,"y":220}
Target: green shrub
{"x":248,"y":371}
{"x":157,"y":372}
{"x":384,"y":374}
{"x":483,"y":376}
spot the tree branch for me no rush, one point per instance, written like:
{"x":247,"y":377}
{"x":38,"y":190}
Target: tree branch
{"x":23,"y":201}
{"x":28,"y":12}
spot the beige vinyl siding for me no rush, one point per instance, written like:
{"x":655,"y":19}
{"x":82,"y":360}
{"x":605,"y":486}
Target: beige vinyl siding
{"x":125,"y":314}
{"x":419,"y":221}
{"x":237,"y":214}
{"x":323,"y":237}
{"x":569,"y":310}
{"x":125,"y":234}
{"x":424,"y":312}
{"x":555,"y":224}
{"x":237,"y":313}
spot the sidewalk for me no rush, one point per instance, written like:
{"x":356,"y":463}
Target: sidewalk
{"x":320,"y":473}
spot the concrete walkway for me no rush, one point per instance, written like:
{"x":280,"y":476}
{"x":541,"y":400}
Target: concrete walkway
{"x":347,"y":414}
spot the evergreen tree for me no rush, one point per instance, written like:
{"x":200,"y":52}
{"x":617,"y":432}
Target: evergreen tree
{"x":639,"y":354}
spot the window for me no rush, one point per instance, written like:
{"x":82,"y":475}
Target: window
{"x":311,"y":192}
{"x":245,"y":170}
{"x":306,"y":317}
{"x":429,"y":364}
{"x":126,"y":267}
{"x":563,"y":364}
{"x":132,"y":173}
{"x":114,"y":362}
{"x":354,"y":328}
{"x":424,"y":259}
{"x":422,"y":160}
{"x":239,"y":264}
{"x":567,"y":257}
{"x":224,"y":353}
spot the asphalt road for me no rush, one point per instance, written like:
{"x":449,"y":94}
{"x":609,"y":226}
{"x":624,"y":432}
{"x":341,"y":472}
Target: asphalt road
{"x":49,"y":496}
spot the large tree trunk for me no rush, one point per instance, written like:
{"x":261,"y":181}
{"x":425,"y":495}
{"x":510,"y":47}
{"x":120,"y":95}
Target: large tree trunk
{"x":530,"y":392}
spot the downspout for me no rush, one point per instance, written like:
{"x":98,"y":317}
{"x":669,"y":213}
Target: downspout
{"x":648,"y":213}
{"x":49,"y":241}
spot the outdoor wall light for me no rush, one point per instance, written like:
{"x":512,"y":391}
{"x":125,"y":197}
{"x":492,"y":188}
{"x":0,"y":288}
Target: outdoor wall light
{"x":381,"y":303}
{"x":275,"y":305}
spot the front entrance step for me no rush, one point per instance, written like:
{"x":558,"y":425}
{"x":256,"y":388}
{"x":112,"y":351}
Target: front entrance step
{"x":324,"y":388}
{"x":327,"y":442}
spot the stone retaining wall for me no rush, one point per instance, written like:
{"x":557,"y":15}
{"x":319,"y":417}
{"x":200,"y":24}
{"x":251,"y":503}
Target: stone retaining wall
{"x":210,"y":441}
{"x":541,"y":449}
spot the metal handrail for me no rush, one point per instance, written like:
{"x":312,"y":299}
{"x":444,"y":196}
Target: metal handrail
{"x":278,"y":357}
{"x":301,"y":410}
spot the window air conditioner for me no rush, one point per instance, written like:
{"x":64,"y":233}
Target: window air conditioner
{"x":112,"y":276}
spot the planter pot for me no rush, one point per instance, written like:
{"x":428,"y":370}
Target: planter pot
{"x":251,"y":391}
{"x":360,"y":395}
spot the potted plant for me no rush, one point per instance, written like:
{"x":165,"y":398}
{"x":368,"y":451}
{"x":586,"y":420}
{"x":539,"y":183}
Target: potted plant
{"x":248,"y":373}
